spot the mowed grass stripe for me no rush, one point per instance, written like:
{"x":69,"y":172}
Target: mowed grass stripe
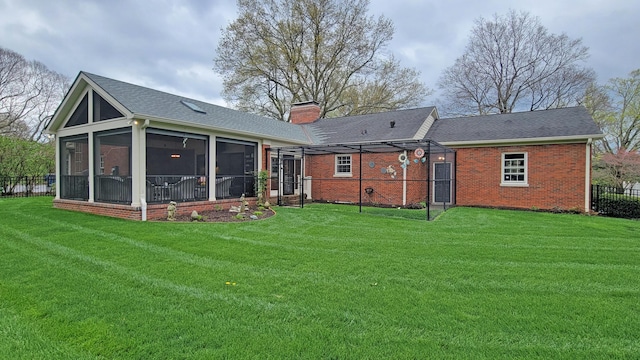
{"x":362,"y":293}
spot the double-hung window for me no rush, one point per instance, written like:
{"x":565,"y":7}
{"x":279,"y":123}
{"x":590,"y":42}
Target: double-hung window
{"x":343,"y":165}
{"x":514,"y":169}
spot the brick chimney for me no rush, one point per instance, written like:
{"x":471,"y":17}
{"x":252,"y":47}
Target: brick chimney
{"x":304,"y":112}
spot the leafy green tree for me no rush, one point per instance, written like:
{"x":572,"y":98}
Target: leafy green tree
{"x":20,"y":158}
{"x":619,"y":114}
{"x":513,"y":63}
{"x":615,"y":107}
{"x":279,"y":52}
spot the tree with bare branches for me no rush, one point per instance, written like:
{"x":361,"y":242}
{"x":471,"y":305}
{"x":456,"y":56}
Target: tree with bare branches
{"x":280,"y":52}
{"x":615,"y":107}
{"x":513,"y":63}
{"x":29,"y":95}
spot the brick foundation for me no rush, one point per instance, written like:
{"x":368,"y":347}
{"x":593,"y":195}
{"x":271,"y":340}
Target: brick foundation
{"x":154,"y":211}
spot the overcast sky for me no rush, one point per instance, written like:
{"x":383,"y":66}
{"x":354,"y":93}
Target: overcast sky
{"x":170,"y":45}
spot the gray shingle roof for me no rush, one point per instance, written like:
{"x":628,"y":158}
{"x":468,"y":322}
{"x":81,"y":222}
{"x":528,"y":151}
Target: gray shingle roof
{"x":142,"y":101}
{"x":370,"y":127}
{"x":554,"y":123}
{"x":409,"y":124}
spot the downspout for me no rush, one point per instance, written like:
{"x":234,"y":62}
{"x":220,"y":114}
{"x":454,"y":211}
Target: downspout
{"x":587,"y":176}
{"x":143,"y":207}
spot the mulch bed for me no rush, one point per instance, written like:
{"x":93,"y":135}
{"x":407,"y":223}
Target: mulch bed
{"x":225,"y":216}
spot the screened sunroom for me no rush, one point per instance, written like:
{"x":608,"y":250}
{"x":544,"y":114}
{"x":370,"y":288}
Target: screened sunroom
{"x":123,"y":148}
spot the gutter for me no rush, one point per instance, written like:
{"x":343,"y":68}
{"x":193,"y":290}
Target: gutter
{"x":523,"y":141}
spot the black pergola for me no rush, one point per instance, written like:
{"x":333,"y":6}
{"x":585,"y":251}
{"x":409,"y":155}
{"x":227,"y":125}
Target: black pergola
{"x":429,"y":147}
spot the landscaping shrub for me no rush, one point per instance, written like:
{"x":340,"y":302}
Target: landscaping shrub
{"x":619,"y":206}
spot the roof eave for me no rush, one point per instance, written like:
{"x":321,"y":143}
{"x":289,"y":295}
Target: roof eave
{"x":525,"y":141}
{"x":219,"y":129}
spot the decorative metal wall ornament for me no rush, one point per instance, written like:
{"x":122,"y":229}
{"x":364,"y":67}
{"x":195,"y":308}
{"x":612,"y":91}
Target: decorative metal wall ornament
{"x":391,"y":171}
{"x":419,"y":152}
{"x":402,"y":158}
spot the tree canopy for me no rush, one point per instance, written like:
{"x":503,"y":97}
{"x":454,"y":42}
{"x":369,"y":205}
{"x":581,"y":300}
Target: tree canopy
{"x":29,"y":95}
{"x":280,"y":52}
{"x":513,"y":63}
{"x":615,"y":107}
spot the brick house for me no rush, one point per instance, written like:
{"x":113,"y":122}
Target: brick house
{"x":124,"y":150}
{"x":535,"y":159}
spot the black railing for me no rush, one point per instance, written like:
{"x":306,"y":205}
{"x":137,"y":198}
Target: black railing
{"x":24,"y":186}
{"x":233,"y":186}
{"x":74,"y":187}
{"x":615,"y":202}
{"x":113,"y":189}
{"x":165,"y":188}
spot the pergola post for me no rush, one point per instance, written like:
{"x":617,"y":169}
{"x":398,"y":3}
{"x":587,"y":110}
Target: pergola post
{"x":360,"y":177}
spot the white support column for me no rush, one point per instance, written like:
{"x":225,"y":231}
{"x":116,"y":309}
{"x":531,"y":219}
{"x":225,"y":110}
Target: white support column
{"x":58,"y":163}
{"x":92,"y":172}
{"x":404,"y":180}
{"x":212,"y":168}
{"x":587,"y":177}
{"x":138,"y":163}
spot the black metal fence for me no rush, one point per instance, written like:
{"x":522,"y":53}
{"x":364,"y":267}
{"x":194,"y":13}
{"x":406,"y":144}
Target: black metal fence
{"x":23,"y":186}
{"x":615,"y":202}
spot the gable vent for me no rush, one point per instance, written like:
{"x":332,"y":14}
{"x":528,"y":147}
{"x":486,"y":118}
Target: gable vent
{"x":193,"y":107}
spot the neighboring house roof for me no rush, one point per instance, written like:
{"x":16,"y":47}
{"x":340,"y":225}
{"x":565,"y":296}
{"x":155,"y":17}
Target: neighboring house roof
{"x":554,"y":124}
{"x":144,"y":102}
{"x":408,"y":124}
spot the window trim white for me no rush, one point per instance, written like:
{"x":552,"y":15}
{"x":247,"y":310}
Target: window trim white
{"x":335,"y":167}
{"x":512,"y":183}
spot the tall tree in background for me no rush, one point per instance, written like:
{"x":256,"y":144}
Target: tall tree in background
{"x":513,"y":63}
{"x":615,"y":107}
{"x":280,"y":52}
{"x":618,"y":113}
{"x":29,"y":95}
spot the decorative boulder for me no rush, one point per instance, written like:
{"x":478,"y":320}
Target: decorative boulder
{"x":195,"y":216}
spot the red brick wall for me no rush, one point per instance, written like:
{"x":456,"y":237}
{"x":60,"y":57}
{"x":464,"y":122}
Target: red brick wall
{"x":386,"y":190}
{"x":556,"y":177}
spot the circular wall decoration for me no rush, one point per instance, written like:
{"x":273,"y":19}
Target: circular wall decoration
{"x":372,"y":164}
{"x":419,"y":152}
{"x":402,"y":158}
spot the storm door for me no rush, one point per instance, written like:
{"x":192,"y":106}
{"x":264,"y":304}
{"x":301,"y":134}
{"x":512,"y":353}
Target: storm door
{"x":290,"y":175}
{"x":442,"y":182}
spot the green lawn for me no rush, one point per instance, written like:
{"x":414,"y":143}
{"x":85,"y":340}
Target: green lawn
{"x":323,"y":282}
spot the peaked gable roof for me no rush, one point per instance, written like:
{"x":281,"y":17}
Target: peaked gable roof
{"x":143,"y":102}
{"x":553,"y":124}
{"x":408,"y":124}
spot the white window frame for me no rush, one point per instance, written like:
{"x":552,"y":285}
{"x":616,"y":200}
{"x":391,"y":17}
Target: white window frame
{"x":338,"y":164}
{"x":513,"y":166}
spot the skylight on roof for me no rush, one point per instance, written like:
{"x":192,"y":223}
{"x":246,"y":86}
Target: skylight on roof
{"x":193,"y":106}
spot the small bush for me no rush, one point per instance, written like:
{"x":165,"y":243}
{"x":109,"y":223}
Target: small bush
{"x":258,"y":213}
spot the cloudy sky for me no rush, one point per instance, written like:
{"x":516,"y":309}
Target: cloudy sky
{"x":170,"y":45}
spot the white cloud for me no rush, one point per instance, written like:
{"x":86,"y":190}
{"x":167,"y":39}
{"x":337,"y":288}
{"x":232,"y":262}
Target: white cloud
{"x":170,"y":45}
